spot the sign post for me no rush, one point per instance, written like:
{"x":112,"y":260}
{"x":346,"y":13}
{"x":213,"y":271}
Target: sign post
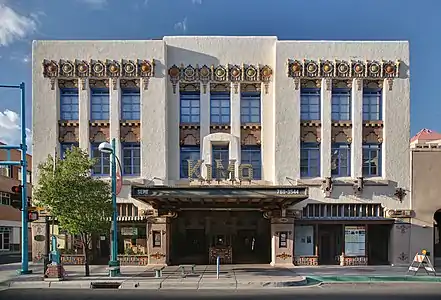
{"x":422,"y":261}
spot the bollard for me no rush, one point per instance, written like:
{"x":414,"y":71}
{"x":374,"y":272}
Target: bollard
{"x":217,"y":267}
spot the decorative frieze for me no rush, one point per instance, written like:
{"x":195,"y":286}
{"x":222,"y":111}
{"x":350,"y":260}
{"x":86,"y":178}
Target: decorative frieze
{"x":228,"y":73}
{"x":98,"y":69}
{"x":340,"y":69}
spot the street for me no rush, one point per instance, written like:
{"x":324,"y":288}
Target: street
{"x":389,"y":291}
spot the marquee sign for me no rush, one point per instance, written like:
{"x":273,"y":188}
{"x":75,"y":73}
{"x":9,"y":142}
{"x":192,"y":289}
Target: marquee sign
{"x":198,"y":192}
{"x":229,"y":173}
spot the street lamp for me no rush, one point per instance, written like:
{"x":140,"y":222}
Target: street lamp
{"x":114,"y":266}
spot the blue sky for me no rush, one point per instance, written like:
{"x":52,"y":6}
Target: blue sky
{"x":419,"y":22}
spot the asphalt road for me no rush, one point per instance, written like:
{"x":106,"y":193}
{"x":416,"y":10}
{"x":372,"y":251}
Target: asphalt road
{"x":390,"y":291}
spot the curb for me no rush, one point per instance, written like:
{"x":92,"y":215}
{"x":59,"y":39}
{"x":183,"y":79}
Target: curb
{"x":373,"y":279}
{"x":157,"y":285}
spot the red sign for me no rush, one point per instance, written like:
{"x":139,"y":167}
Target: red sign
{"x":118,"y":182}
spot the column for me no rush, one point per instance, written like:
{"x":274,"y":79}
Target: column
{"x":115,"y":114}
{"x":204,"y":112}
{"x":235,"y":109}
{"x":267,"y":135}
{"x":84,"y":113}
{"x":326,"y":128}
{"x":357,"y":129}
{"x":282,"y":241}
{"x":158,"y":242}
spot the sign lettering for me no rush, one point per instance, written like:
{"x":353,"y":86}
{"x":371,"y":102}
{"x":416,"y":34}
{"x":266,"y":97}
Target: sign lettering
{"x":222,"y":173}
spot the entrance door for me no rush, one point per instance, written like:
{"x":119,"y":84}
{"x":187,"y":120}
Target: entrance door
{"x":244,"y":248}
{"x":330,"y":237}
{"x":195,"y":242}
{"x":378,"y":244}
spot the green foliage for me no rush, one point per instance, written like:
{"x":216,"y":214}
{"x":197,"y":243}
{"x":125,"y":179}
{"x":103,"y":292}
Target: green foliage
{"x":82,"y":204}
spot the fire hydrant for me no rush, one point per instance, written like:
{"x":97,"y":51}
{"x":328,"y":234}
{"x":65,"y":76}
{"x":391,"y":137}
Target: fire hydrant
{"x":342,"y":259}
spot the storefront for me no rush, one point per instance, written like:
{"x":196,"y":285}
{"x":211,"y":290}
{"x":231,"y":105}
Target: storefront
{"x":326,"y":233}
{"x":197,"y":224}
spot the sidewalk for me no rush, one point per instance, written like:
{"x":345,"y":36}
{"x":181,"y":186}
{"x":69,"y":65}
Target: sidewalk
{"x":134,"y":277}
{"x":231,"y":277}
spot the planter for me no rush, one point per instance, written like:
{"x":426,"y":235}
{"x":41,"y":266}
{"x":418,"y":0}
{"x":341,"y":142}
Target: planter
{"x":133,"y":260}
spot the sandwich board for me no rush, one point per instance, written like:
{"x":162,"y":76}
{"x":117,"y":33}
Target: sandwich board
{"x":421,"y":261}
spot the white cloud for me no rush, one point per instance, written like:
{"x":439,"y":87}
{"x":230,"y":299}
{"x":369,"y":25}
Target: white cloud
{"x":24,"y":58}
{"x":95,"y":3}
{"x":196,"y":1}
{"x":181,"y":26}
{"x":10,"y":129}
{"x":14,"y":26}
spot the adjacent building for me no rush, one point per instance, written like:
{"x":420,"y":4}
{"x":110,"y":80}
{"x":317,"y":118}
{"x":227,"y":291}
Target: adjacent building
{"x":426,"y":190}
{"x":10,"y":218}
{"x":254,"y":149}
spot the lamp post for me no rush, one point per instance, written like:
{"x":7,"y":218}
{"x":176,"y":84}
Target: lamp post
{"x":114,"y":266}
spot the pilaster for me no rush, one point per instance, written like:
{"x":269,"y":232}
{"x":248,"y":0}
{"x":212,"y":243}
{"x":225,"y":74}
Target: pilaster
{"x":84,"y":113}
{"x":204,"y":111}
{"x":115,"y":114}
{"x":159,"y":236}
{"x":282,"y":241}
{"x":399,"y":245}
{"x":357,"y":129}
{"x":326,"y":128}
{"x":235,"y":109}
{"x":40,"y":239}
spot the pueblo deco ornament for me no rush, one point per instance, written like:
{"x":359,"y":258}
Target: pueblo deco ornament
{"x":341,"y":69}
{"x":98,"y":69}
{"x":221,"y":73}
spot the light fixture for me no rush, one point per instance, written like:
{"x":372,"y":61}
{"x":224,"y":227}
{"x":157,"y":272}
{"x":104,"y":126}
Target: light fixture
{"x":105,"y":147}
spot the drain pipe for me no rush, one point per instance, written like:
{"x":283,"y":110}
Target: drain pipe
{"x":217,"y":267}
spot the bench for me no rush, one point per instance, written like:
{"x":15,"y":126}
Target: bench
{"x":182,"y":267}
{"x":158,"y":272}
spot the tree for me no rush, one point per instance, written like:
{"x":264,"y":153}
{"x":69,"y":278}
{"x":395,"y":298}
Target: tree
{"x":81,"y":203}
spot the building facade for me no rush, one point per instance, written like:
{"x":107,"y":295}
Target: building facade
{"x":425,"y":167}
{"x":10,"y":218}
{"x":250,"y":148}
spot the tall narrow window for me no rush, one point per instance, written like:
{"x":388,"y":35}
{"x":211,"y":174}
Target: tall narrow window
{"x":131,"y":158}
{"x":190,"y":107}
{"x":252,"y":155}
{"x":250,"y":107}
{"x":310,"y":160}
{"x":5,"y":171}
{"x":310,"y":104}
{"x":341,"y":104}
{"x":99,"y":103}
{"x":220,"y":153}
{"x":130,"y":104}
{"x":372,"y":104}
{"x":340,"y":160}
{"x":69,"y":109}
{"x":220,"y":108}
{"x":66,"y":146}
{"x":189,"y":153}
{"x":102,"y":163}
{"x":371,"y":160}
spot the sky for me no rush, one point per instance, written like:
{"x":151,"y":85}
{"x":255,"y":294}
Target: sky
{"x":419,"y":22}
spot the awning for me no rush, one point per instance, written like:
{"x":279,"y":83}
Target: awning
{"x":194,"y":197}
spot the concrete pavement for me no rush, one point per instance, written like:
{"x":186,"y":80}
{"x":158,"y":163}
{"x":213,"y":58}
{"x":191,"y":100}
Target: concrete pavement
{"x":231,"y":277}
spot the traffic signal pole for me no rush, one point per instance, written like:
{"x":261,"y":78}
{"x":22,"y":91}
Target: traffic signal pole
{"x":23,"y":163}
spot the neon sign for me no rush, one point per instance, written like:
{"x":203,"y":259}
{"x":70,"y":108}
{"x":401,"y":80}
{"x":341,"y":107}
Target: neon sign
{"x":222,"y":173}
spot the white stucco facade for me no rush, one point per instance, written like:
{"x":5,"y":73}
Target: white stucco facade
{"x":281,"y":130}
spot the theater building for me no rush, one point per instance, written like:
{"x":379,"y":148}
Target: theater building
{"x":254,"y":149}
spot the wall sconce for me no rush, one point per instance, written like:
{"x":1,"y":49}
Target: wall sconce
{"x":327,"y":186}
{"x":358,"y":185}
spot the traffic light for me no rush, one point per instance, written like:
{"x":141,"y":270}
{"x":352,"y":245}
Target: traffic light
{"x":16,"y":197}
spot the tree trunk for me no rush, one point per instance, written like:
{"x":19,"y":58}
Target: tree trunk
{"x":86,"y":254}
